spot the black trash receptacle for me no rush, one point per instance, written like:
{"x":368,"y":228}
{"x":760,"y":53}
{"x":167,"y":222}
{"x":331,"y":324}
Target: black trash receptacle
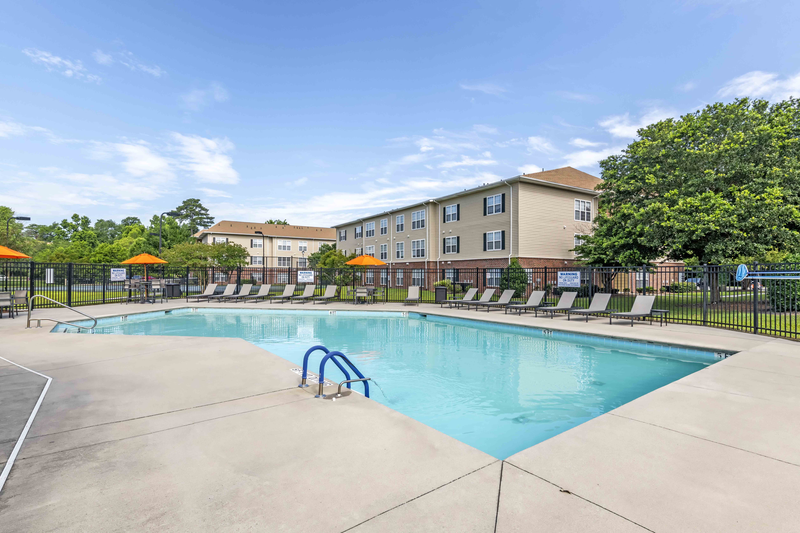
{"x":173,"y":290}
{"x":441,"y":294}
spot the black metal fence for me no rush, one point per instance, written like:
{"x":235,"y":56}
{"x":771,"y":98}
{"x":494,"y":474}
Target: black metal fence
{"x":706,"y":295}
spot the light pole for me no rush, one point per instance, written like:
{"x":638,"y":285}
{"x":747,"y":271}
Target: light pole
{"x":263,"y":259}
{"x":8,"y":224}
{"x":160,"y":225}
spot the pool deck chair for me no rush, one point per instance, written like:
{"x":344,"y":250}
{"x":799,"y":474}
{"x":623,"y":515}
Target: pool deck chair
{"x":330,"y":294}
{"x":262,"y":294}
{"x":413,"y":296}
{"x":534,"y":302}
{"x":244,"y":291}
{"x":564,"y":304}
{"x":206,"y":293}
{"x":308,"y":292}
{"x":599,"y":306}
{"x":229,"y":288}
{"x":503,"y":301}
{"x":288,"y":291}
{"x":467,"y":297}
{"x":642,"y":308}
{"x":485,"y":298}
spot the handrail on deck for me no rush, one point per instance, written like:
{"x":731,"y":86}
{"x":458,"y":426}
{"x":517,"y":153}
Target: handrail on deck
{"x":39,"y":320}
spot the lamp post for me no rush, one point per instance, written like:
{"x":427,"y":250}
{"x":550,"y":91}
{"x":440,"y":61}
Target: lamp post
{"x":263,"y":259}
{"x":8,"y":224}
{"x":160,"y":225}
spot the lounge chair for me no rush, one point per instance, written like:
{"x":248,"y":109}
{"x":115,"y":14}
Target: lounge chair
{"x":229,"y":288}
{"x":503,"y":301}
{"x":642,"y":308}
{"x":330,"y":294}
{"x":485,"y":298}
{"x":564,"y":304}
{"x":599,"y":306}
{"x":308,"y":292}
{"x":263,"y":293}
{"x":413,"y":296}
{"x":6,"y":302}
{"x":534,"y":302}
{"x":288,"y":292}
{"x":206,"y":293}
{"x":467,"y":297}
{"x":244,"y":291}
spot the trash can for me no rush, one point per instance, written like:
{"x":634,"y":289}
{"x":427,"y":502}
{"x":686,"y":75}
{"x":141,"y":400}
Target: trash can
{"x":173,"y":290}
{"x":441,"y":294}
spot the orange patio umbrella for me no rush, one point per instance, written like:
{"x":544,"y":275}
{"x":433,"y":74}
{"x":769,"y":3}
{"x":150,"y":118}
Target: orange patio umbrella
{"x":365,"y":260}
{"x":144,"y":259}
{"x":8,"y":253}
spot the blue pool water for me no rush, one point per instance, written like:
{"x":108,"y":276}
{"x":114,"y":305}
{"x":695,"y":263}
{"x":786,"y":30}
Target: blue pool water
{"x":498,"y":388}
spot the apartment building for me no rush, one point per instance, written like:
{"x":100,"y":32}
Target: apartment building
{"x":538,"y":218}
{"x":277,"y":246}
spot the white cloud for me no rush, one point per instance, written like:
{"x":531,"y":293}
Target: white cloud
{"x":102,"y":58}
{"x":541,"y":144}
{"x":127,"y":59}
{"x":11,"y":129}
{"x":68,"y":68}
{"x":583,"y":143}
{"x":197,"y":99}
{"x":467,"y":161}
{"x":758,"y":84}
{"x":482,"y":128}
{"x":141,"y":161}
{"x":487,"y":88}
{"x":576,"y":97}
{"x":298,"y":182}
{"x":214,"y":193}
{"x":589,"y":158}
{"x":686,"y":87}
{"x":529,"y":169}
{"x":206,"y":158}
{"x":623,"y":126}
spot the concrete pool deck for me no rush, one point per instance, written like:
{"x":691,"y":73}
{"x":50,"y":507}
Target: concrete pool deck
{"x":207,"y":434}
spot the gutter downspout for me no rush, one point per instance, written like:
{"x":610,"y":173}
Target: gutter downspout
{"x":510,"y":221}
{"x":438,"y":236}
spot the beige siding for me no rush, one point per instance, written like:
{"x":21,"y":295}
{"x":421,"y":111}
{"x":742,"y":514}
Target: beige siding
{"x":270,"y":245}
{"x":392,"y":237}
{"x":546,"y":221}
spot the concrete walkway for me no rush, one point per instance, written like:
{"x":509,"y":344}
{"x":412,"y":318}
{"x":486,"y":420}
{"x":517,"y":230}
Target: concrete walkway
{"x":153,"y":433}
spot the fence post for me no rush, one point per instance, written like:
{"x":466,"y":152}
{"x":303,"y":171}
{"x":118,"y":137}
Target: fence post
{"x":69,"y":284}
{"x":103,"y":267}
{"x":238,"y":276}
{"x":31,"y":285}
{"x":705,"y":294}
{"x":755,"y":301}
{"x":544,"y":286}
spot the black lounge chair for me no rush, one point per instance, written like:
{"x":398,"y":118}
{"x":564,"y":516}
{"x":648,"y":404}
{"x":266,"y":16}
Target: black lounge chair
{"x":534,"y":302}
{"x":564,"y":304}
{"x":642,"y":308}
{"x":599,"y":306}
{"x":504,"y":300}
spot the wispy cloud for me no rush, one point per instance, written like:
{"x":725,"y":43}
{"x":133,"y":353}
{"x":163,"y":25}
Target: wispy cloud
{"x":102,"y":58}
{"x":686,"y":87}
{"x":584,"y":143}
{"x":467,"y":161}
{"x":482,"y":128}
{"x":760,"y":84}
{"x":624,"y":126}
{"x":529,"y":169}
{"x":298,"y":182}
{"x":197,"y":99}
{"x":541,"y":144}
{"x":206,"y":158}
{"x":66,"y":67}
{"x":589,"y":158}
{"x":487,"y":88}
{"x":576,"y":97}
{"x":127,"y":59}
{"x":214,"y":193}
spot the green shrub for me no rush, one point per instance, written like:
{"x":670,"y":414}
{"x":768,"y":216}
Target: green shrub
{"x":686,"y":286}
{"x":445,"y":283}
{"x":783,"y":296}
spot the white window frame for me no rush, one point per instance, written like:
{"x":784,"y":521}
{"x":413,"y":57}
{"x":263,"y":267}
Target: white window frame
{"x":220,"y":277}
{"x":417,"y":249}
{"x":418,"y":219}
{"x":302,"y":262}
{"x":284,"y":262}
{"x":384,"y":226}
{"x":496,"y":206}
{"x":450,"y":274}
{"x":370,"y":250}
{"x":384,"y":277}
{"x":576,"y":240}
{"x":358,"y":232}
{"x":583,"y":210}
{"x":257,"y":260}
{"x":493,"y":277}
{"x":256,"y":243}
{"x":284,"y":246}
{"x":369,"y":279}
{"x":400,"y":223}
{"x":220,"y":240}
{"x":384,"y":252}
{"x":369,"y":229}
{"x":451,"y":213}
{"x":342,"y":235}
{"x":400,"y":250}
{"x":498,"y":240}
{"x":282,"y":277}
{"x":359,"y":252}
{"x":302,"y":246}
{"x":418,"y":277}
{"x":399,"y":278}
{"x":256,"y":276}
{"x":450,"y":245}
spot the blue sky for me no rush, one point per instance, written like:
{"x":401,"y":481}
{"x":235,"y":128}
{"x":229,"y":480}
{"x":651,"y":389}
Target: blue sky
{"x":320,"y":112}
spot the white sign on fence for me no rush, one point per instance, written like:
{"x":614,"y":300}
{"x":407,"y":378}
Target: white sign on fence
{"x":117,"y":274}
{"x":569,"y":279}
{"x":305,"y":276}
{"x":49,"y":275}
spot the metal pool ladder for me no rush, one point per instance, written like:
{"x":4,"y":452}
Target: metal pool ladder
{"x":329,"y":355}
{"x":39,"y":320}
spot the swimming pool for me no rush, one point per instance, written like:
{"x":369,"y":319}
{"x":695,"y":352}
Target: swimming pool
{"x":498,"y":388}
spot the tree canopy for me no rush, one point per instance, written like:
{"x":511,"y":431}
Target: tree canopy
{"x":194,"y":215}
{"x":277,"y":221}
{"x":711,"y":186}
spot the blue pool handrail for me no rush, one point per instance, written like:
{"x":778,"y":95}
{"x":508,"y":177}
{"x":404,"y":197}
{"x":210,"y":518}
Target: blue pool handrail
{"x":304,"y":382}
{"x":332,"y":356}
{"x":742,"y":274}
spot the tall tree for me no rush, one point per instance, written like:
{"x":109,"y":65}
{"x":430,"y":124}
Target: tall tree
{"x":130,"y":221}
{"x":277,"y":221}
{"x":107,"y":231}
{"x":194,"y":215}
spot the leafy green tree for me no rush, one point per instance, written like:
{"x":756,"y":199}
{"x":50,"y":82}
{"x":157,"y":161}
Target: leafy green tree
{"x":316,"y":257}
{"x":191,"y":254}
{"x":130,"y":221}
{"x":514,"y":277}
{"x":107,"y":231}
{"x":277,"y":221}
{"x":228,"y":256}
{"x":15,"y":236}
{"x":194,"y":215}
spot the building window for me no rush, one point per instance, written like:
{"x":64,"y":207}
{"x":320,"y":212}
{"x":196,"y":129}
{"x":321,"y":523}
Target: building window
{"x":418,"y":248}
{"x":493,"y":277}
{"x":494,"y":240}
{"x":282,"y":277}
{"x":450,"y":274}
{"x":302,"y":246}
{"x":284,"y":246}
{"x":358,"y":232}
{"x":302,"y":262}
{"x":529,"y":272}
{"x":256,"y":276}
{"x":400,"y":221}
{"x":359,"y":251}
{"x":418,"y":277}
{"x":384,"y":226}
{"x":342,"y":235}
{"x":284,"y":261}
{"x":418,"y":219}
{"x":494,"y":205}
{"x":399,"y":280}
{"x":370,"y":251}
{"x":256,"y":243}
{"x":220,"y":240}
{"x":400,"y":247}
{"x":384,"y":252}
{"x":452,"y":213}
{"x":256,"y":260}
{"x":370,"y":226}
{"x":583,"y":210}
{"x":578,"y":239}
{"x":384,"y":276}
{"x":220,"y":277}
{"x":451,"y":245}
{"x":370,"y":277}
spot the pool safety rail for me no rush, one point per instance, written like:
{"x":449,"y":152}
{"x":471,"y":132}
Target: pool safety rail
{"x":329,"y":355}
{"x":39,"y":320}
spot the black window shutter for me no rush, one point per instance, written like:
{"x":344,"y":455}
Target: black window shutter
{"x":484,"y":242}
{"x":484,"y":272}
{"x":503,"y":240}
{"x":455,"y":275}
{"x":458,"y":211}
{"x":503,"y":203}
{"x":444,"y":214}
{"x":444,"y":244}
{"x":458,"y":245}
{"x":484,"y":207}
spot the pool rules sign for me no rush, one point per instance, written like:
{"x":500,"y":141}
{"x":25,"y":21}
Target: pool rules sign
{"x":569,"y":279}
